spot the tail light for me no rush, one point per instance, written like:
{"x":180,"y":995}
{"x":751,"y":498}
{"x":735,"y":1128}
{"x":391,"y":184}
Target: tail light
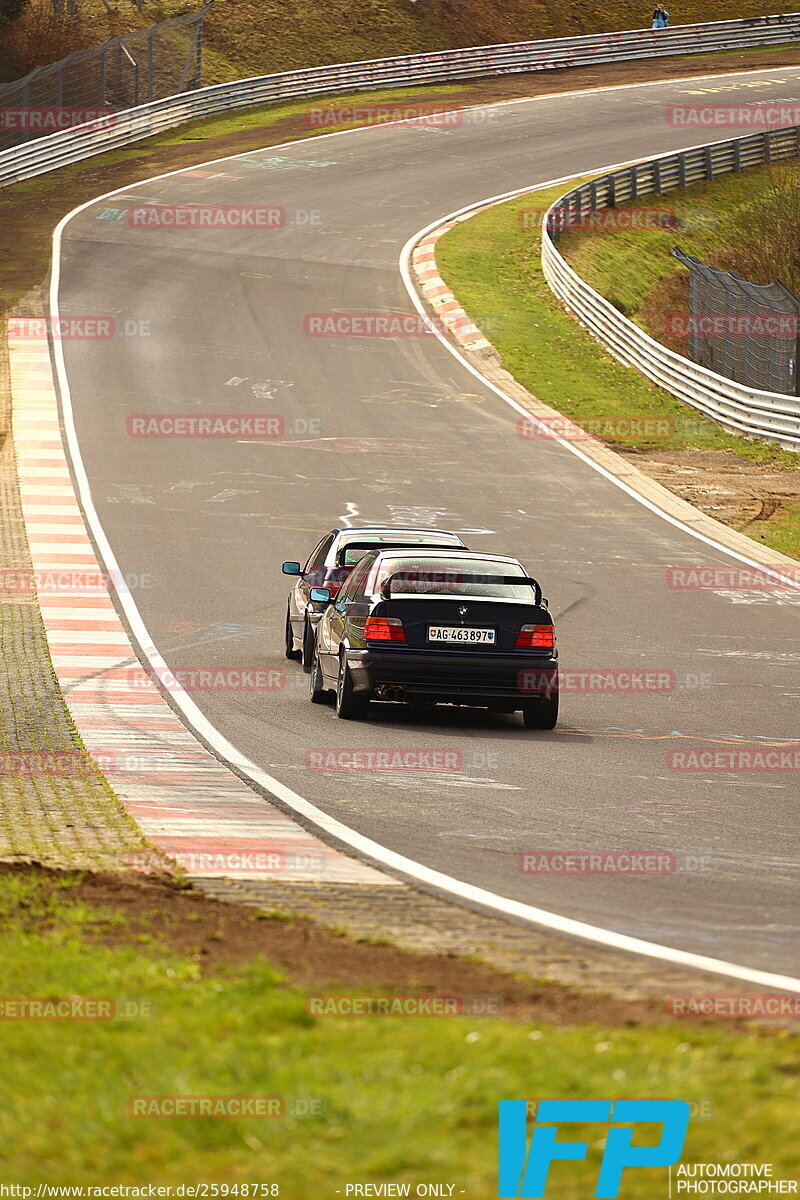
{"x":384,"y":629}
{"x":537,"y":637}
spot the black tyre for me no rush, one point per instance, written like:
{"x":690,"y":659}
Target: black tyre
{"x":307,"y":655}
{"x":289,"y":649}
{"x":349,"y":706}
{"x":317,"y":689}
{"x":541,"y":714}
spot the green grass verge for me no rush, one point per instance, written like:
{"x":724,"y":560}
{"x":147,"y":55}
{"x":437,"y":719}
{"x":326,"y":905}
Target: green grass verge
{"x":633,"y":267}
{"x":781,"y":531}
{"x":492,"y":263}
{"x":403,"y":1100}
{"x":264,"y":117}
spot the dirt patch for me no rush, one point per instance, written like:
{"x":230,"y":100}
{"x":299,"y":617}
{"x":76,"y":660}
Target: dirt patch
{"x":158,"y":912}
{"x":733,"y":490}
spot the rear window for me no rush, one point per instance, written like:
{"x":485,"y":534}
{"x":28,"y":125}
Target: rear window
{"x":444,"y":576}
{"x":348,"y":557}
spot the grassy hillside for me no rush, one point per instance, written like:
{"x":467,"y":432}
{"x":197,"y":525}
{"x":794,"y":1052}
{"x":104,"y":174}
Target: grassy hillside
{"x":267,"y":35}
{"x":258,"y":36}
{"x":204,"y":1000}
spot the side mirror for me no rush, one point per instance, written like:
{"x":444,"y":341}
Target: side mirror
{"x":545,"y":602}
{"x":291,"y":568}
{"x":321,"y":595}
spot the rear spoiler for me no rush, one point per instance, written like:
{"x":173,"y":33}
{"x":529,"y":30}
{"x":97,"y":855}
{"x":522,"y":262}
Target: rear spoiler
{"x":394,"y":546}
{"x":457,"y":576}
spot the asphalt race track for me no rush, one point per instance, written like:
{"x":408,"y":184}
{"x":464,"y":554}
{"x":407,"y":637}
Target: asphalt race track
{"x":397,"y":431}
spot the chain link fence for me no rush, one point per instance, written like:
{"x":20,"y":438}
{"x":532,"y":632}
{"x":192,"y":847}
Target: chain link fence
{"x":135,"y":68}
{"x":748,"y":332}
{"x":755,"y":411}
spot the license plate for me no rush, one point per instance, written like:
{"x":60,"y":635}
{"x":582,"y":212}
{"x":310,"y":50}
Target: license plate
{"x":463,"y":635}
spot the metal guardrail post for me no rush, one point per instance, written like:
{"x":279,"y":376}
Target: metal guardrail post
{"x":150,"y":72}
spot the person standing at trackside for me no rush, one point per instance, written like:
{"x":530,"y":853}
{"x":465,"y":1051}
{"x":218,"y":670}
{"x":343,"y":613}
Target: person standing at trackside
{"x":660,"y":17}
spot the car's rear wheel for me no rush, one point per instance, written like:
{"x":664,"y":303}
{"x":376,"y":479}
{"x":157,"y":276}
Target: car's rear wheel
{"x":541,"y":714}
{"x":349,"y":706}
{"x":289,"y":649}
{"x":307,"y":654}
{"x":318,"y":691}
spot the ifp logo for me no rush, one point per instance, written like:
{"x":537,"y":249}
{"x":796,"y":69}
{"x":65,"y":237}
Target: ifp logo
{"x":523,"y":1171}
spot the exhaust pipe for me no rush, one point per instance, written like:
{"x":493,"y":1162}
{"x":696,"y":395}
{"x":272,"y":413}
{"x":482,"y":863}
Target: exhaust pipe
{"x":390,"y":691}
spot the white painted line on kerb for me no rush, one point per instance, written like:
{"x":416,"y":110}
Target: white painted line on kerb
{"x":321,"y":821}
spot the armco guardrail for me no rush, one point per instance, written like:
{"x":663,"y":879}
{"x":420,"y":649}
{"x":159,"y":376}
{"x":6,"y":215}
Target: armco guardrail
{"x":771,"y":416}
{"x":60,"y":149}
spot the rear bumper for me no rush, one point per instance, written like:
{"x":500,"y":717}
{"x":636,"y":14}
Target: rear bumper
{"x":454,"y":678}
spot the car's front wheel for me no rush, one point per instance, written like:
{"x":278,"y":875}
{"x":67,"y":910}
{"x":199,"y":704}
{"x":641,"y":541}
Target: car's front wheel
{"x":288,"y":636}
{"x":349,"y":706}
{"x":307,"y":654}
{"x":541,"y":714}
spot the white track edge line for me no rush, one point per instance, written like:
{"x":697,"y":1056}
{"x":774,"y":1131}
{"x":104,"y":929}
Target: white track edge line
{"x":198,"y":722}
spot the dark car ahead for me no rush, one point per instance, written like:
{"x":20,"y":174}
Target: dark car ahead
{"x":328,"y":566}
{"x":438,"y":627}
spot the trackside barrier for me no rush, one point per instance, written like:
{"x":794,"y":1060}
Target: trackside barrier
{"x":70,"y":146}
{"x":770,"y":416}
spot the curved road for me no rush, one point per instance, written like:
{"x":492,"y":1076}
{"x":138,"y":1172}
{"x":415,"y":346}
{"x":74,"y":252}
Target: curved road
{"x":397,"y":431}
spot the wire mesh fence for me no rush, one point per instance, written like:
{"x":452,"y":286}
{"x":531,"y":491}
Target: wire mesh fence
{"x":755,"y":411}
{"x":748,"y":332}
{"x":148,"y":64}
